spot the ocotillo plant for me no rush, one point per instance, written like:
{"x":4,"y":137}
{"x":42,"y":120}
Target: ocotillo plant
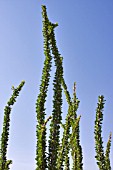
{"x":4,"y":163}
{"x":57,"y":156}
{"x":75,"y":145}
{"x":103,"y":160}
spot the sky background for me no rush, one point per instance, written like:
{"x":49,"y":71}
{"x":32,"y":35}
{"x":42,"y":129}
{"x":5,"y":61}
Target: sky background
{"x":85,"y":40}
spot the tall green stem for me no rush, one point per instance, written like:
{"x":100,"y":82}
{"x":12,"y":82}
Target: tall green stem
{"x":4,"y":163}
{"x":75,"y":144}
{"x":41,"y":158}
{"x":98,"y":134}
{"x":54,"y":137}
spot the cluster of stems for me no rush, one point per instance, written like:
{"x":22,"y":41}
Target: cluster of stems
{"x":54,"y":153}
{"x":55,"y":156}
{"x":4,"y":163}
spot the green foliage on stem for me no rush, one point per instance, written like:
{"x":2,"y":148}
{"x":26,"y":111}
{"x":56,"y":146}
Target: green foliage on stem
{"x":76,"y":149}
{"x":54,"y":138}
{"x":98,"y":137}
{"x":41,"y":159}
{"x":64,"y":147}
{"x":103,"y":160}
{"x":4,"y":163}
{"x":66,"y":92}
{"x":107,"y":153}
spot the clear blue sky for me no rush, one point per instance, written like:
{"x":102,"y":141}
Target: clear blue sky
{"x":85,"y":40}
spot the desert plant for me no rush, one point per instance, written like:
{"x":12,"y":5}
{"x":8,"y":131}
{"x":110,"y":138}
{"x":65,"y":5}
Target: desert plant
{"x":103,"y":160}
{"x":4,"y":163}
{"x":56,"y":155}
